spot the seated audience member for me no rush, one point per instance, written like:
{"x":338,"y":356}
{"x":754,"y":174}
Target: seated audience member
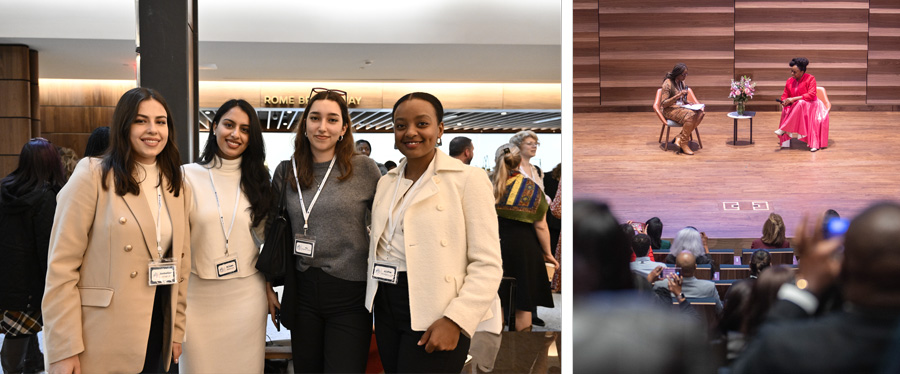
{"x":654,"y":228}
{"x":620,"y":325}
{"x":763,"y":296}
{"x":854,"y":339}
{"x":691,"y":286}
{"x":759,"y":261}
{"x":630,"y":232}
{"x":773,"y":234}
{"x":692,"y":240}
{"x":736,"y":300}
{"x":643,"y":265}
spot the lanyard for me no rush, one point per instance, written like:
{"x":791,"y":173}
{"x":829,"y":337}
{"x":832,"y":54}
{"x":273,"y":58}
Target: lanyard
{"x":315,"y":197}
{"x":158,"y":214}
{"x":237,"y":199}
{"x":410,"y":194}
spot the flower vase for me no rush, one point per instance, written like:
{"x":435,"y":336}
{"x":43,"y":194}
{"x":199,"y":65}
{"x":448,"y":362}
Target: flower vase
{"x":740,"y":108}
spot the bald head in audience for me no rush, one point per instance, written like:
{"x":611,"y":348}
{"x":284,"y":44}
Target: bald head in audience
{"x":872,"y":257}
{"x":687,"y":262}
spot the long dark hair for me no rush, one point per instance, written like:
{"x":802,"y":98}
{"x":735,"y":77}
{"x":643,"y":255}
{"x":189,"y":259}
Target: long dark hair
{"x":97,"y":143}
{"x":654,"y":230}
{"x":39,"y":167}
{"x":255,"y":181}
{"x":119,"y":157}
{"x":676,"y":71}
{"x":344,"y":149}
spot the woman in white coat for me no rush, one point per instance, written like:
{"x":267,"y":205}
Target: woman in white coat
{"x":227,"y":295}
{"x":434,"y":254}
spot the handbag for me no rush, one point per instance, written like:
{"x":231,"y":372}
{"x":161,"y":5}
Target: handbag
{"x":273,"y":259}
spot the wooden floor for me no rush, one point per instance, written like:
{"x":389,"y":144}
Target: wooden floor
{"x":617,"y":159}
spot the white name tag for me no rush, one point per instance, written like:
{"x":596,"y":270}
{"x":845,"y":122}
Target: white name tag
{"x":304,"y":245}
{"x":385,"y":272}
{"x":162,"y":272}
{"x":226,"y":266}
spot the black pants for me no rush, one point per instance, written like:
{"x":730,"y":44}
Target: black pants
{"x":398,"y":343}
{"x":153,"y":357}
{"x":332,"y":328}
{"x":21,"y":354}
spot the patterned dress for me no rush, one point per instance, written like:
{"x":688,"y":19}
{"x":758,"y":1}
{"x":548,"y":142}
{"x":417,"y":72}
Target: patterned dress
{"x":668,"y":103}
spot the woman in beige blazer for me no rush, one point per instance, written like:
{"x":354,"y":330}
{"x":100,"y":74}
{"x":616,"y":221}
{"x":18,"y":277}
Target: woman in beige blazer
{"x":120,"y":225}
{"x":434,"y":253}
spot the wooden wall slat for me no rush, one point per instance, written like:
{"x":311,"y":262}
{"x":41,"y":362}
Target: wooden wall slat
{"x":16,"y":131}
{"x":586,"y":56}
{"x":15,"y":98}
{"x":14,"y":62}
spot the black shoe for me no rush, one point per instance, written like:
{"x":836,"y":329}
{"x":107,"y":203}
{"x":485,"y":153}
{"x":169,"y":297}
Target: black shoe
{"x":536,"y":321}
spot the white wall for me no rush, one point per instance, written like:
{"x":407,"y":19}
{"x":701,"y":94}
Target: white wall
{"x":279,"y":146}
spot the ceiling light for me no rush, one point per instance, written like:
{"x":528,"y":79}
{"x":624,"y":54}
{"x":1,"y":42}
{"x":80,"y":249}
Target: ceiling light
{"x":502,"y":113}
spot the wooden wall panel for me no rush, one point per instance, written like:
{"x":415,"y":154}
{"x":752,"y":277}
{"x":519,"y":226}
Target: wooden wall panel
{"x":66,"y":119}
{"x":76,"y":141}
{"x":14,"y":62}
{"x":586,"y":56}
{"x":639,"y":42}
{"x":15,"y":98}
{"x":16,"y":131}
{"x":8,"y":164}
{"x":852,"y":46}
{"x":832,"y":35}
{"x":883,"y":79}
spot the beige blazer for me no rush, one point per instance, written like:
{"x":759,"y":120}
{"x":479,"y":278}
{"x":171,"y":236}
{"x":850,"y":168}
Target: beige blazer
{"x":97,"y":303}
{"x":452,"y":247}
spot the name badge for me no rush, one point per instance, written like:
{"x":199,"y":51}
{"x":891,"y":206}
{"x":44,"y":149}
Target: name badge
{"x":163,"y":272}
{"x":304,"y":245}
{"x":226,"y":266}
{"x":385,"y":272}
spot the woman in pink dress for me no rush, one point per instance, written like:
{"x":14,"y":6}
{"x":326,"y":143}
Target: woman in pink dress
{"x":803,"y":116}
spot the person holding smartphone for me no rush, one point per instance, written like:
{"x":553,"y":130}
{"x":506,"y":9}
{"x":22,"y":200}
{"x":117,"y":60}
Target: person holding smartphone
{"x":232,"y":198}
{"x":675,"y":93}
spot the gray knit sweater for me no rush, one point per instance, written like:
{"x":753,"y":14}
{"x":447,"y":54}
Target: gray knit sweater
{"x":338,"y":219}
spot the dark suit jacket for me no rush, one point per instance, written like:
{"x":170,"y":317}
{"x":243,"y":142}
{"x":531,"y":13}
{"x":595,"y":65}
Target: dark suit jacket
{"x":853,"y":341}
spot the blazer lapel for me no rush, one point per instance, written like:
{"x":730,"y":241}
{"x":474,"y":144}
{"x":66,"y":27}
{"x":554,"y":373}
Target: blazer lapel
{"x":141,"y":212}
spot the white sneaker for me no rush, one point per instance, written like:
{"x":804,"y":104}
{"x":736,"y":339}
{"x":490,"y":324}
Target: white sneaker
{"x":813,"y":149}
{"x":779,"y":132}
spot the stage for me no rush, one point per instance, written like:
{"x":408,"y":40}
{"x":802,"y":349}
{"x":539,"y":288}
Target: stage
{"x":728,"y":191}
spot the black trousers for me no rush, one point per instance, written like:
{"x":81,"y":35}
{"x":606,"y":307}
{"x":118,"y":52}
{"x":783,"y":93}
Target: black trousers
{"x":398,"y":343}
{"x":21,"y":354}
{"x":332,"y":328}
{"x":153,"y":357}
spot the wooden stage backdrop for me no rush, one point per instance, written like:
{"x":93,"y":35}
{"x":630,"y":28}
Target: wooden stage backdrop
{"x":728,"y":191}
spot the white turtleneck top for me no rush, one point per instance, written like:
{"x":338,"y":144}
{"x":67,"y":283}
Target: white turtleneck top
{"x":149,"y":178}
{"x":207,"y":237}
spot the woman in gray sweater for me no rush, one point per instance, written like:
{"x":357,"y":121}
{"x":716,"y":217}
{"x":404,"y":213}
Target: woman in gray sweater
{"x":325,"y":289}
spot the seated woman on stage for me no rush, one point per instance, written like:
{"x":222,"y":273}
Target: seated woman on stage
{"x":803,"y":116}
{"x":674,"y":96}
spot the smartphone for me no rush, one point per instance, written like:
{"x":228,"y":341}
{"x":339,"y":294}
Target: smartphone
{"x":836,"y":227}
{"x":779,"y":100}
{"x":278,"y":320}
{"x":637,"y":226}
{"x":669,"y":271}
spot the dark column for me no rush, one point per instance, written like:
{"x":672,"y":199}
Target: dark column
{"x":167,"y":39}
